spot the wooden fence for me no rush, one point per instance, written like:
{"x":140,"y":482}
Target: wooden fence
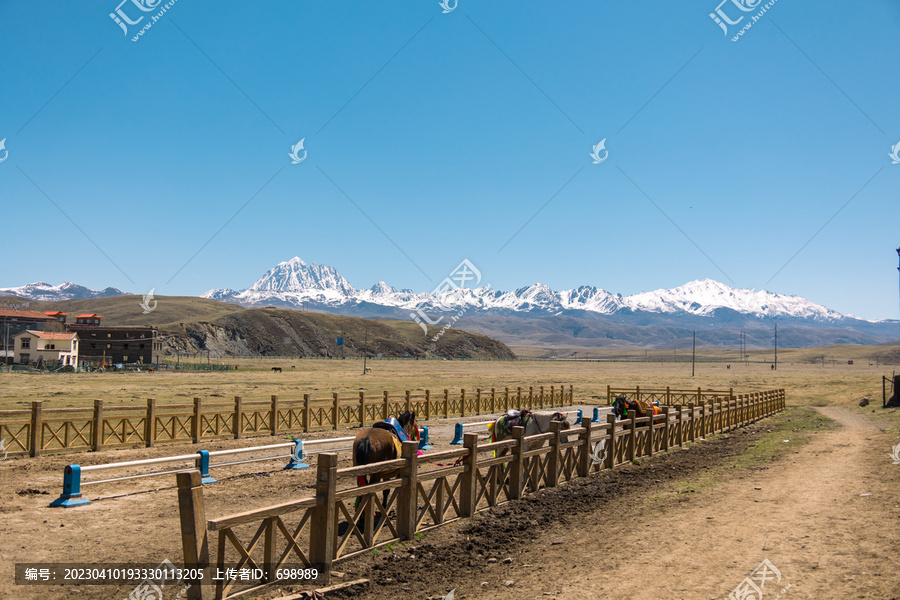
{"x":425,"y":495}
{"x":670,"y":397}
{"x":59,"y":430}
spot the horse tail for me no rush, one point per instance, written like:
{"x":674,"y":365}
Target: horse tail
{"x":361,"y":451}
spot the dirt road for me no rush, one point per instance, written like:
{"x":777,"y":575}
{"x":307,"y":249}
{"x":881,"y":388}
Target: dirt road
{"x":826,"y":517}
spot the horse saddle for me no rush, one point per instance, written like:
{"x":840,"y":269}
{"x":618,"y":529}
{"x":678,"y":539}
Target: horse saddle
{"x":393,"y":425}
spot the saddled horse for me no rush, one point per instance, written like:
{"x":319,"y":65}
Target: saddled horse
{"x":622,"y":406}
{"x":533,"y":422}
{"x":379,"y":443}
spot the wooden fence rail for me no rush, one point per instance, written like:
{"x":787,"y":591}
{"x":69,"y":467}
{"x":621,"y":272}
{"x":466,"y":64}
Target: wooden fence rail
{"x":669,"y":396}
{"x":59,"y":430}
{"x":306,"y":532}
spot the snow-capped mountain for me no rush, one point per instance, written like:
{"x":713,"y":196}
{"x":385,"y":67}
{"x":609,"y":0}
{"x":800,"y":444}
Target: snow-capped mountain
{"x":295,"y":282}
{"x":64,"y":291}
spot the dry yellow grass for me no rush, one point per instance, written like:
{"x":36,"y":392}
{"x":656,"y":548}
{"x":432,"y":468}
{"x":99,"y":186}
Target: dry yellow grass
{"x":806,"y":384}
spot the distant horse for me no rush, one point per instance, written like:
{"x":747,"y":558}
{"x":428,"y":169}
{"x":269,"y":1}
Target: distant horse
{"x":276,"y":369}
{"x":533,"y":422}
{"x":378,"y":444}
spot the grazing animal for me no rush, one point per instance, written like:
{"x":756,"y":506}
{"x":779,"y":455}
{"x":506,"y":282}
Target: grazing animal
{"x":293,"y":367}
{"x":276,"y":369}
{"x":379,"y":443}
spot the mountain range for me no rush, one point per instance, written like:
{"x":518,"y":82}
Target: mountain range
{"x":538,"y":315}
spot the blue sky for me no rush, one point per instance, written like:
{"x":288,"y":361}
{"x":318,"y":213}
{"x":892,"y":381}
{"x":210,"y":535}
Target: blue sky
{"x":434,"y":137}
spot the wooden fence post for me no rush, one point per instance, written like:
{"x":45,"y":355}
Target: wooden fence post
{"x":650,"y":429}
{"x":446,"y":403}
{"x":273,"y":416}
{"x":679,"y":428}
{"x":306,"y":415}
{"x":97,"y":431}
{"x":237,"y":417}
{"x":462,"y":402}
{"x":427,"y":405}
{"x":506,"y":400}
{"x":37,"y":428}
{"x":668,"y":396}
{"x":541,"y":399}
{"x":611,"y":444}
{"x":666,"y":410}
{"x":493,"y":400}
{"x":195,"y":420}
{"x":408,"y":402}
{"x":519,"y":398}
{"x":530,"y":396}
{"x":477,"y":401}
{"x":632,"y":434}
{"x":517,"y":466}
{"x":324,"y":519}
{"x":194,"y":537}
{"x":407,"y":504}
{"x":149,"y":422}
{"x":609,"y":399}
{"x":386,"y":405}
{"x":551,"y":477}
{"x":587,"y":451}
{"x":703,"y":423}
{"x":691,"y":423}
{"x":468,"y":485}
{"x":335,"y":410}
{"x":362,"y":409}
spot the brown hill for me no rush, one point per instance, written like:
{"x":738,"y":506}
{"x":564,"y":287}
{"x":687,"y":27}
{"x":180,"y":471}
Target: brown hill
{"x":195,"y":325}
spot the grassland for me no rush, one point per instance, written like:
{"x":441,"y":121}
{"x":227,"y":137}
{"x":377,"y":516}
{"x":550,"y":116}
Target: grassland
{"x":806,"y":383}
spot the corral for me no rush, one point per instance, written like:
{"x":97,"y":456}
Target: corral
{"x":671,"y":495}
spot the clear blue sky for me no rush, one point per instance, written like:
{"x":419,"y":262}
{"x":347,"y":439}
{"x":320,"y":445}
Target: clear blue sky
{"x":449,"y":133}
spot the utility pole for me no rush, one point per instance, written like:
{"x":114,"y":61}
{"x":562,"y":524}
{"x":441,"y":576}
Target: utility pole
{"x":693,"y":354}
{"x":776,"y":346}
{"x":365,"y":350}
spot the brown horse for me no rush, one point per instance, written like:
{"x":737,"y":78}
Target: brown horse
{"x":376,"y":444}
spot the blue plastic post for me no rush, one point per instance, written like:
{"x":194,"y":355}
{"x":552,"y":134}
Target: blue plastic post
{"x":596,"y":417}
{"x":71,"y":496}
{"x":297,"y":461}
{"x":423,"y":440}
{"x":578,"y":416}
{"x":457,"y":435}
{"x":203,"y":465}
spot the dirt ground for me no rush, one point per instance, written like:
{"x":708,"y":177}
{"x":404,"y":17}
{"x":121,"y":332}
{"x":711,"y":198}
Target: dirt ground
{"x":825,"y":517}
{"x":689,"y":524}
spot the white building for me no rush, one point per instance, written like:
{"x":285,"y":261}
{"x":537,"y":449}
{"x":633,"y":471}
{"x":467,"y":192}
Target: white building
{"x":46,"y":347}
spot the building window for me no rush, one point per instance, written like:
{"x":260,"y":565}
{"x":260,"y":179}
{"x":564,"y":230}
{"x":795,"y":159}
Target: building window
{"x":124,"y":359}
{"x":26,"y":343}
{"x":141,"y":346}
{"x":93,"y":345}
{"x":125,"y":346}
{"x":51,"y":347}
{"x":74,"y":344}
{"x":109,"y":335}
{"x":109,"y":346}
{"x":24,"y":358}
